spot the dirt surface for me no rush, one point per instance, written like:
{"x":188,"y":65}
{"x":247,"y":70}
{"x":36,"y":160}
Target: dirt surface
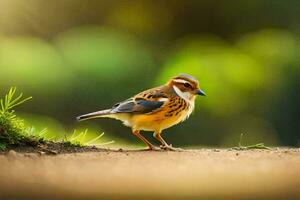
{"x":191,"y":174}
{"x":53,"y":148}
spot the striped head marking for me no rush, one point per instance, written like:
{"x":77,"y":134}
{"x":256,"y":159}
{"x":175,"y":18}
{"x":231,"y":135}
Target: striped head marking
{"x":185,"y":86}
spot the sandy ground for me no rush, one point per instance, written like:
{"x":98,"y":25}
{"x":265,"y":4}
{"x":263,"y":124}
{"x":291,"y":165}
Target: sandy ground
{"x":192,"y":174}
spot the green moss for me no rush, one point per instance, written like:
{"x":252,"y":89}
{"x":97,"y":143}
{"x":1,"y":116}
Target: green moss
{"x":73,"y":144}
{"x":13,"y":130}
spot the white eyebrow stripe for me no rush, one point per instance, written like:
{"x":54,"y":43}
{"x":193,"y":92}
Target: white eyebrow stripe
{"x":180,"y":81}
{"x":163,"y":99}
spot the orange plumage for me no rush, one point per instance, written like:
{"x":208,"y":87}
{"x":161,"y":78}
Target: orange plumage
{"x":155,"y":109}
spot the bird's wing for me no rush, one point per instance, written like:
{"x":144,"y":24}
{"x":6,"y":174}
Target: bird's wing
{"x":143,"y":103}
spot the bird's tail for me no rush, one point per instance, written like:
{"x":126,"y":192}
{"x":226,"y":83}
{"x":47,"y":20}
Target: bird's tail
{"x":101,"y":113}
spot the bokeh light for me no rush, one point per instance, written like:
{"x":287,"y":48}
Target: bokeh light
{"x":80,"y":57}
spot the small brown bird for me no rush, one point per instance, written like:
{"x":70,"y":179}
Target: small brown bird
{"x":155,"y":109}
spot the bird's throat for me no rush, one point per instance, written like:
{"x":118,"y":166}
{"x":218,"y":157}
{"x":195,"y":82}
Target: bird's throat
{"x":185,"y":95}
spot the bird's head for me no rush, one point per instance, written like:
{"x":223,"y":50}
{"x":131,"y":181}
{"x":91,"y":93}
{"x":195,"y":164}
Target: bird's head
{"x":185,"y":86}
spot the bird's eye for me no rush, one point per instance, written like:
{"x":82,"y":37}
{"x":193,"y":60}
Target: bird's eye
{"x":187,"y":85}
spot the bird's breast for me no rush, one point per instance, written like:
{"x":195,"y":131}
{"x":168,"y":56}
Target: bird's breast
{"x":174,"y":112}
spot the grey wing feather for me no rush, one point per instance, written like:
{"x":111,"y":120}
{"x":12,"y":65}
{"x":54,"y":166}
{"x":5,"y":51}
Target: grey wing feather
{"x":143,"y":103}
{"x":123,"y":107}
{"x":138,"y":106}
{"x":149,"y":106}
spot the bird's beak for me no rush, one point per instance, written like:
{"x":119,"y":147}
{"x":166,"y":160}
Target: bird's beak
{"x":200,"y":92}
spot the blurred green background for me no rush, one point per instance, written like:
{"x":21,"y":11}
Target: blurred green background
{"x":76,"y":56}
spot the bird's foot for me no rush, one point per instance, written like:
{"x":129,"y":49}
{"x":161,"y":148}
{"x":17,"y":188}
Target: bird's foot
{"x":154,"y":148}
{"x":170,"y":148}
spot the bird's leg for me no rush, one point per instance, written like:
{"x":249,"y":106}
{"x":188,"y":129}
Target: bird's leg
{"x":151,"y":146}
{"x":160,"y":139}
{"x":165,"y":145}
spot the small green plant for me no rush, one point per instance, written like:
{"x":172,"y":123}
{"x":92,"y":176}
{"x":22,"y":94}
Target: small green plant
{"x":255,"y":146}
{"x":79,"y":140}
{"x":40,"y":136}
{"x":14,"y":132}
{"x":10,"y":102}
{"x":75,"y":140}
{"x":12,"y":129}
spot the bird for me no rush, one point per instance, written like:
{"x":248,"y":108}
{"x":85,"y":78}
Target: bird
{"x":155,"y":109}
